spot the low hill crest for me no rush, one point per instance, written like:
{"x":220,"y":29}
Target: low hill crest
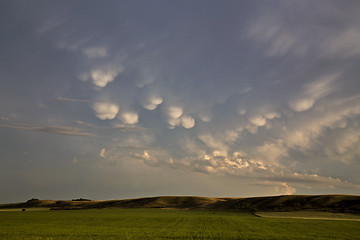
{"x":333,"y":203}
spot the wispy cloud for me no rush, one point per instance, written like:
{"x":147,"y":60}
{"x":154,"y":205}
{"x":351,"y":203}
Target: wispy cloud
{"x":63,"y":131}
{"x":65,"y":99}
{"x":5,"y":119}
{"x":123,"y":127}
{"x":51,"y":129}
{"x":313,"y":91}
{"x":95,"y":52}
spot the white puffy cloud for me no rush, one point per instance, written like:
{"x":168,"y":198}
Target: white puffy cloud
{"x":187,"y":121}
{"x":144,"y":156}
{"x":258,"y":121}
{"x":173,"y":122}
{"x":272,"y":115}
{"x":102,"y":153}
{"x":174,"y":112}
{"x":105,"y":110}
{"x":152,"y":102}
{"x":285,"y":189}
{"x":101,"y":77}
{"x":153,"y":157}
{"x":300,"y":105}
{"x":129,"y":117}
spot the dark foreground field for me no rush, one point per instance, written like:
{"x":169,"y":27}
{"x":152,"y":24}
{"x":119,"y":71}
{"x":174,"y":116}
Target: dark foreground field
{"x":166,"y":224}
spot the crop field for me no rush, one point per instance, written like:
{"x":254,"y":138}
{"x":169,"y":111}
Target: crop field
{"x":166,"y":224}
{"x":311,"y":215}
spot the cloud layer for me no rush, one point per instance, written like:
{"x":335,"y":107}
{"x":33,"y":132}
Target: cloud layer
{"x":263,"y":94}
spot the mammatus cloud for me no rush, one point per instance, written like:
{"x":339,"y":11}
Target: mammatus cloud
{"x":105,"y":110}
{"x":101,"y":76}
{"x":187,"y":121}
{"x":300,"y":105}
{"x":258,"y":121}
{"x":152,"y":102}
{"x":271,"y":99}
{"x":174,"y":112}
{"x":129,"y":117}
{"x":313,"y":91}
{"x":176,"y":117}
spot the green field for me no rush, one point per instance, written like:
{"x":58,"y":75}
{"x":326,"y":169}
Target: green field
{"x":165,"y":224}
{"x":310,"y":215}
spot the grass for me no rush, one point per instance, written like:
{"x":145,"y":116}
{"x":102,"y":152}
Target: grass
{"x":165,"y":224}
{"x":310,"y":215}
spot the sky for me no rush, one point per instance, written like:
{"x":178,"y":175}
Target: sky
{"x":125,"y":99}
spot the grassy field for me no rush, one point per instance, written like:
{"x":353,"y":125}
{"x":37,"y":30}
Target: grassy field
{"x":311,"y":215}
{"x":165,"y":224}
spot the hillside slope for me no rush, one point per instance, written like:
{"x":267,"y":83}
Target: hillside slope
{"x":333,"y":203}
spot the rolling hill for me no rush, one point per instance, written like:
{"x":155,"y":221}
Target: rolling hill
{"x":331,"y":203}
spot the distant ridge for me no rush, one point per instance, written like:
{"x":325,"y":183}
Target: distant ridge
{"x":332,"y":203}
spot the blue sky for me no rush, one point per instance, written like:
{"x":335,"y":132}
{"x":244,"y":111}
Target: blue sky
{"x":121,"y":99}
